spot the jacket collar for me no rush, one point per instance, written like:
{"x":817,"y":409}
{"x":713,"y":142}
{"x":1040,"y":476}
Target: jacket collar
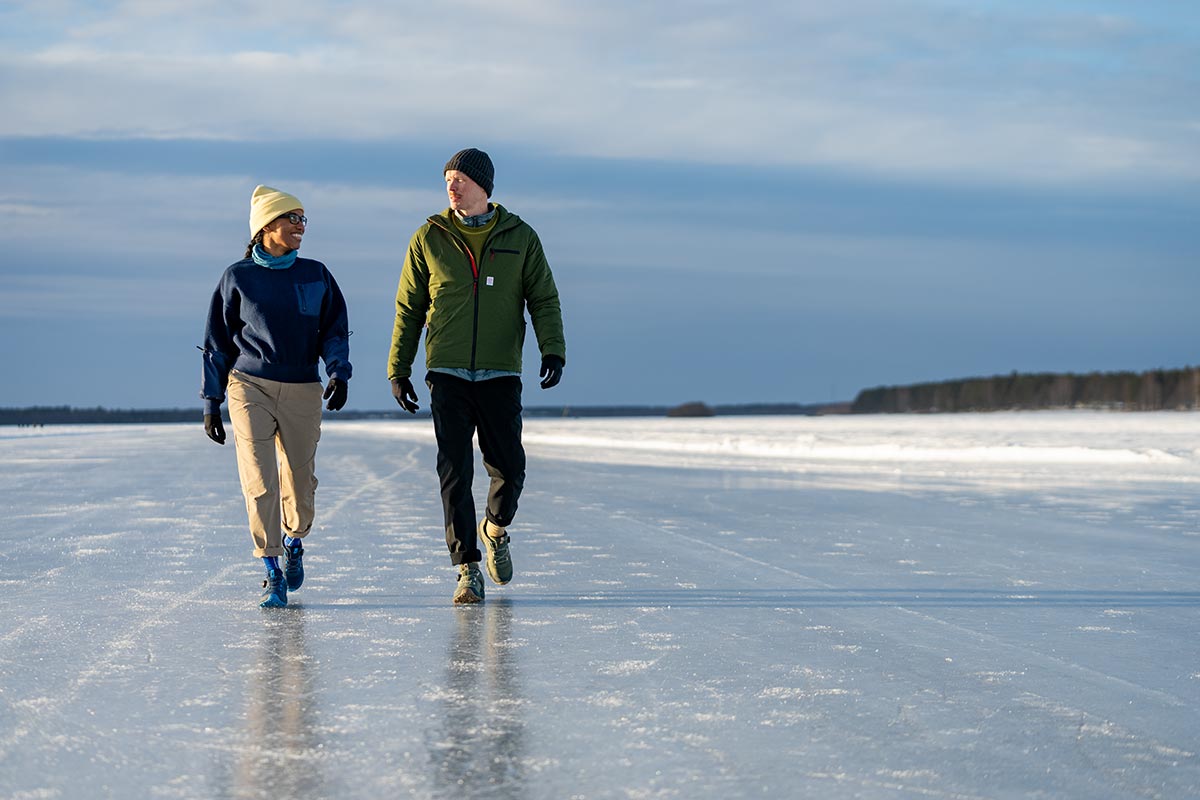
{"x":504,"y":219}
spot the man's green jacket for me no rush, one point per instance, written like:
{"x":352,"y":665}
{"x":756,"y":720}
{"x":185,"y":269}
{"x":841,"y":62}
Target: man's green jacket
{"x":475,"y":313}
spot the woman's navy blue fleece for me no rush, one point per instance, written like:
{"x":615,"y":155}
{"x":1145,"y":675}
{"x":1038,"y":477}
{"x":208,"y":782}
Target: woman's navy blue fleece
{"x":274,"y":324}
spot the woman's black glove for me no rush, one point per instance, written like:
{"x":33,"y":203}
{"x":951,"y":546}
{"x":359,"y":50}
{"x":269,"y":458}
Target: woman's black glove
{"x":335,"y":393}
{"x":213,"y":428}
{"x":406,"y":396}
{"x":551,"y":374}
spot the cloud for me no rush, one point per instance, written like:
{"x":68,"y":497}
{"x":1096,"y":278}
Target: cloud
{"x":14,"y":211}
{"x":672,"y":276}
{"x":983,"y":93}
{"x":36,"y":298}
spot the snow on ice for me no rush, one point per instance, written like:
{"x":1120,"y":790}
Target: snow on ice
{"x":968,"y":606}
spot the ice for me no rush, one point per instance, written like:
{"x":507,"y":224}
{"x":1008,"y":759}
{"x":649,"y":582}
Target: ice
{"x":970,"y":606}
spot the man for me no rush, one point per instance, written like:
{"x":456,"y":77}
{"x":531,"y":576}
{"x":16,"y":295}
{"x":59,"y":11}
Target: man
{"x":469,"y":275}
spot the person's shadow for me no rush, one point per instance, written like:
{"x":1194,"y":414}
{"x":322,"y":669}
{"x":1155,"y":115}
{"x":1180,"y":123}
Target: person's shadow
{"x":478,"y":741}
{"x":276,"y":759}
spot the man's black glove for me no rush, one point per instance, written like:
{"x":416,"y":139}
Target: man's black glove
{"x":335,"y":393}
{"x":551,"y":374}
{"x":213,"y":428}
{"x":406,"y":396}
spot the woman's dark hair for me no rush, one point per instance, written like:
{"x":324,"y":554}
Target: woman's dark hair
{"x":258,"y":237}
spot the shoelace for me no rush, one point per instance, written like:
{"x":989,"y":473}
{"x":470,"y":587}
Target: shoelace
{"x":499,"y":548}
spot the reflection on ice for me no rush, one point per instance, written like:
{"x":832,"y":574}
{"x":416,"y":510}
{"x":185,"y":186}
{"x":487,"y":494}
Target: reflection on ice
{"x":476,"y":744}
{"x":279,"y":755}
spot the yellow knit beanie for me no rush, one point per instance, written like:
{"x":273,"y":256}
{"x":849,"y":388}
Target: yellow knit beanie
{"x":267,"y":204}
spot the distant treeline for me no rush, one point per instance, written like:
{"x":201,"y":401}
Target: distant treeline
{"x":699,"y":409}
{"x":60,"y":415}
{"x":1160,"y":389}
{"x":65,"y":415}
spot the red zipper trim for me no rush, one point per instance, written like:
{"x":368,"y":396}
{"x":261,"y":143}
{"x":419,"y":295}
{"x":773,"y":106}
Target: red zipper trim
{"x":474,"y":287}
{"x":474,"y":266}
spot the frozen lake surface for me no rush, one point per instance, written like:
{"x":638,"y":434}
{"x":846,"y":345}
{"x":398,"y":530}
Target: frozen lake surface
{"x":972,"y":606}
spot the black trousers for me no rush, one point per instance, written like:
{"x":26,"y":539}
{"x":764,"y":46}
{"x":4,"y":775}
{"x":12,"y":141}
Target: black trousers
{"x":462,"y":409}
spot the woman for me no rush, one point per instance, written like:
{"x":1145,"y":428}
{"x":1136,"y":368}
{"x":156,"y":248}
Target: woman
{"x":271,"y":317}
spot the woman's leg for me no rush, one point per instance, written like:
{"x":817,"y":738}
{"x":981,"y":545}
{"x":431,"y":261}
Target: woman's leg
{"x":296,"y":443}
{"x":252,"y":414}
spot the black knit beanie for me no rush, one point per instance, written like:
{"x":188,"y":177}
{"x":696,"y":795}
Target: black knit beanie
{"x":476,"y":165}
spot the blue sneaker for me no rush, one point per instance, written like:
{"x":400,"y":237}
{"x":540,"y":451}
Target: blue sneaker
{"x":274,"y":590}
{"x":294,"y":568}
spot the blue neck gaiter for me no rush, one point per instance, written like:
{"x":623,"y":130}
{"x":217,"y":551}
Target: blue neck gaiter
{"x":265,"y":259}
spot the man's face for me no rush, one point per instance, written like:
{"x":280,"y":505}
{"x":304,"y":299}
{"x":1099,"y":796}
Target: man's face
{"x":466,"y":196}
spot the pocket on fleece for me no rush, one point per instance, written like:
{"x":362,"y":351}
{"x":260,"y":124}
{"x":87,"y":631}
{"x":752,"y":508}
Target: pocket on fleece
{"x":309,"y":295}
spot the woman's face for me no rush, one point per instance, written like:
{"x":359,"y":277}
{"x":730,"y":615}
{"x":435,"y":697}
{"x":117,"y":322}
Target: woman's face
{"x":282,"y":235}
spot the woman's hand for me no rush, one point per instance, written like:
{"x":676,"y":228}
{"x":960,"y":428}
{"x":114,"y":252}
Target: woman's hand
{"x":335,"y":393}
{"x":213,"y":428}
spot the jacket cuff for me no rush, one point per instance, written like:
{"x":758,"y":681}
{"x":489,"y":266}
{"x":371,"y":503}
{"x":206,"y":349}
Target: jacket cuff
{"x":212,"y":405}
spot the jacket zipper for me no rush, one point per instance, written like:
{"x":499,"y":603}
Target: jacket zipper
{"x":474,"y":288}
{"x":475,"y":297}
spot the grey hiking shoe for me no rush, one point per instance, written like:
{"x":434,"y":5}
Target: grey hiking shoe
{"x":470,"y":585}
{"x":499,"y":562}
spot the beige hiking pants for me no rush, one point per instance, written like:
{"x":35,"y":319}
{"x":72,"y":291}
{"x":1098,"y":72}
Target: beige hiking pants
{"x":276,"y":428}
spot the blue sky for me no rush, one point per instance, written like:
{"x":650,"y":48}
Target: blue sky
{"x":789,"y":203}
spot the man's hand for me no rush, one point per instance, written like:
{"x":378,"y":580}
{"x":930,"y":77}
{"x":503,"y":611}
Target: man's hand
{"x":335,"y":393}
{"x":551,"y":374}
{"x":213,"y":428}
{"x":406,"y":396}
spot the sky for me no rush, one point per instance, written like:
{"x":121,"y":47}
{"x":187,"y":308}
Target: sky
{"x":784,"y":202}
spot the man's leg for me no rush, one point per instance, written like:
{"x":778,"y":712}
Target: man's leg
{"x":454,"y":425}
{"x":499,"y":414}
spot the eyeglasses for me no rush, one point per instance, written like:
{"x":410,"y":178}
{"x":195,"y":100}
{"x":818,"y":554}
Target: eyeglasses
{"x":295,"y":219}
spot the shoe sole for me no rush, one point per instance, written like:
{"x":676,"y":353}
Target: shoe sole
{"x":487,"y":545}
{"x":467,"y":598}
